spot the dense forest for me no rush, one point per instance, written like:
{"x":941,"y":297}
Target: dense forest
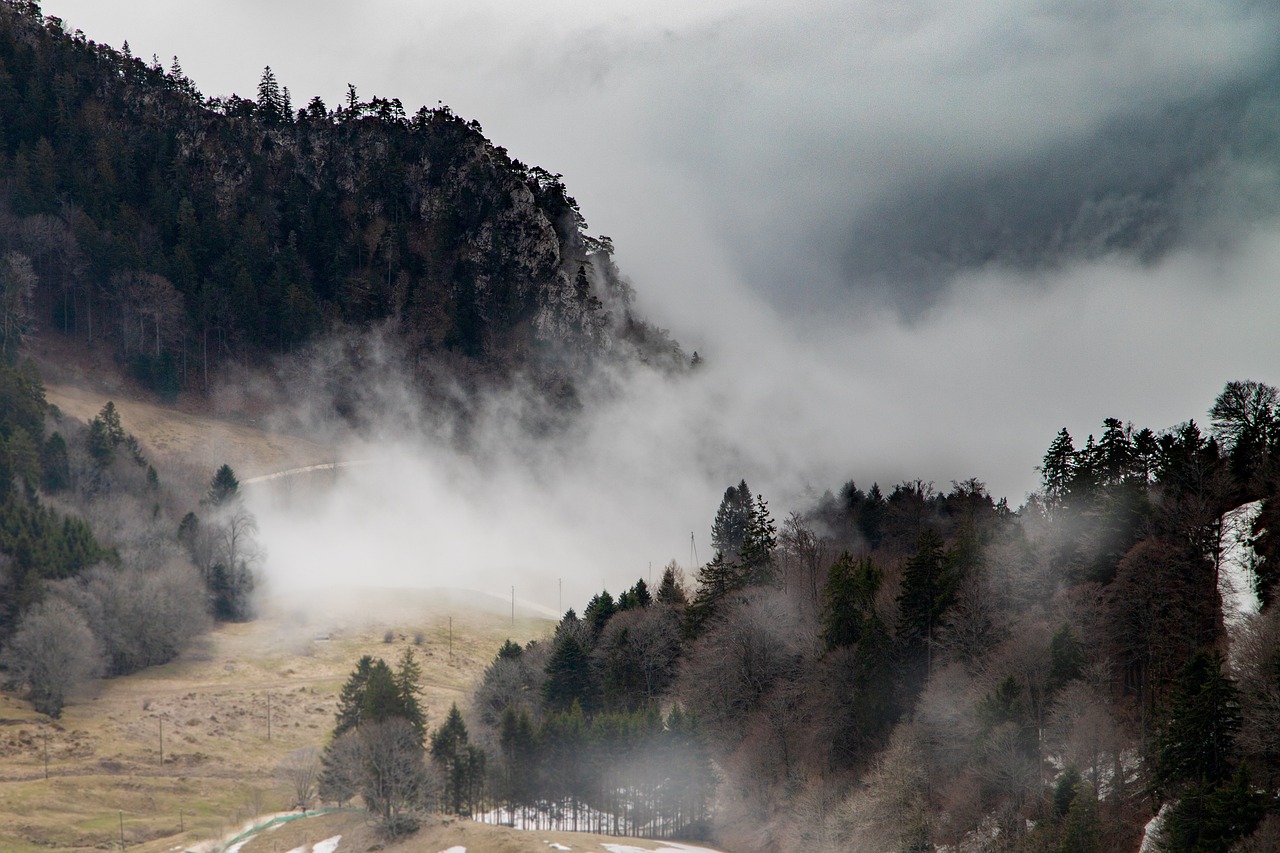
{"x":190,"y":232}
{"x":903,"y":670}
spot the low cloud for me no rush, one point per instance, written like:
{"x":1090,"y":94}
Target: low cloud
{"x":910,"y":240}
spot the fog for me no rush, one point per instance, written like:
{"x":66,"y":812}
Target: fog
{"x":909,"y":240}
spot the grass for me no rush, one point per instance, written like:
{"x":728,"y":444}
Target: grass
{"x":210,"y":707}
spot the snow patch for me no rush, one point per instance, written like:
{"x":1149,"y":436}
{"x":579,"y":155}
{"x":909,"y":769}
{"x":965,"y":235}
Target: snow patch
{"x":1235,"y":578}
{"x":668,"y":847}
{"x":455,"y":850}
{"x":555,"y":846}
{"x":302,"y":849}
{"x":329,"y":845}
{"x":1151,"y":834}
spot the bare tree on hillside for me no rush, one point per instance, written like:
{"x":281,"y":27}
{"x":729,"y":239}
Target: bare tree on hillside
{"x":51,"y":653}
{"x":300,"y":770}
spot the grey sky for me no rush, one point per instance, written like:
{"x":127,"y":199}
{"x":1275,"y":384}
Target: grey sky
{"x":913,"y":239}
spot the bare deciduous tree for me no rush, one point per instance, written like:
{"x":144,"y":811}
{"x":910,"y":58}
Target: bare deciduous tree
{"x":51,"y":653}
{"x":805,"y":558}
{"x":395,"y":781}
{"x":341,"y":769}
{"x":300,"y":770}
{"x":141,"y":618}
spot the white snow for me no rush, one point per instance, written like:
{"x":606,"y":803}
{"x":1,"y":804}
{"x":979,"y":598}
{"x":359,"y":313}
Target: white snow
{"x":329,"y":845}
{"x":455,"y":850}
{"x":1235,"y":579}
{"x":302,"y":849}
{"x":235,"y":848}
{"x":1151,"y":833}
{"x":668,"y":847}
{"x":555,"y":846}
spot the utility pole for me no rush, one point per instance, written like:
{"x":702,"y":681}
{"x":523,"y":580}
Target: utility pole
{"x":450,"y":639}
{"x":46,"y":755}
{"x":268,"y":715}
{"x":161,"y":721}
{"x":513,"y":606}
{"x":560,"y":596}
{"x":182,"y":826}
{"x":121,"y":829}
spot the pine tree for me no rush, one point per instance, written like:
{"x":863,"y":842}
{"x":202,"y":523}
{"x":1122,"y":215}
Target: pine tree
{"x":599,"y":610}
{"x":569,"y":677}
{"x":1196,"y":742}
{"x":270,"y":103}
{"x":732,"y":522}
{"x":669,"y":590}
{"x":351,"y":699}
{"x":408,"y":678}
{"x":382,"y":697}
{"x":1058,"y":469}
{"x":1066,"y":658}
{"x":758,"y":546}
{"x":223,"y":488}
{"x":451,"y":753}
{"x":848,"y":601}
{"x":1083,"y":831}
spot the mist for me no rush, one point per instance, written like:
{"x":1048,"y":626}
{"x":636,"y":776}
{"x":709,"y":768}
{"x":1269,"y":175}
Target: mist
{"x":909,"y":242}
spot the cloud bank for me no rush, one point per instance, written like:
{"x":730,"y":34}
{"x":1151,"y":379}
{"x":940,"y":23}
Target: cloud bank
{"x":911,"y":240}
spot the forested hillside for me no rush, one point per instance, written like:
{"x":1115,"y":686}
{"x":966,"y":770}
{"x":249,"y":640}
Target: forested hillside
{"x":188,"y":231}
{"x":909,"y":668}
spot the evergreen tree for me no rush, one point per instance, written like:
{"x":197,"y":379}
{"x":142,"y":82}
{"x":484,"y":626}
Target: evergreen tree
{"x":669,"y":590}
{"x":599,"y":610}
{"x":451,"y":752}
{"x":730,"y":529}
{"x":849,"y":612}
{"x":1083,"y":830}
{"x":1196,"y":741}
{"x":761,"y":540}
{"x":224,"y":488}
{"x":1066,"y":658}
{"x":408,"y":678}
{"x":1058,"y":469}
{"x":382,"y":698}
{"x":351,"y":699}
{"x":569,"y":677}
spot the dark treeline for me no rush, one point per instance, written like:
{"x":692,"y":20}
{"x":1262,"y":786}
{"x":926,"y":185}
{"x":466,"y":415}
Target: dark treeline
{"x":903,"y":668}
{"x":188,"y":231}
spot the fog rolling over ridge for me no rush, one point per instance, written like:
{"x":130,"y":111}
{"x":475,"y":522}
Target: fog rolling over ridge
{"x":909,"y":241}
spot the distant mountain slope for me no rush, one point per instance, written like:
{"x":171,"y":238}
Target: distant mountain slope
{"x":190,"y":231}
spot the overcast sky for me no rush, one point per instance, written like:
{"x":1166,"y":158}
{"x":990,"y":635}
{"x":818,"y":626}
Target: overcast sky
{"x":913,"y":239}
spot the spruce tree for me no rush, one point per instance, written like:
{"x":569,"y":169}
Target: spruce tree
{"x":408,"y":678}
{"x":569,"y":677}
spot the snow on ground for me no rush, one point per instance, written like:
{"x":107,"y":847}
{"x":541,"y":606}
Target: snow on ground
{"x":329,"y":845}
{"x":1151,"y":835}
{"x":668,"y":847}
{"x":555,"y":846}
{"x":1235,"y":580}
{"x":455,"y":850}
{"x":235,"y":848}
